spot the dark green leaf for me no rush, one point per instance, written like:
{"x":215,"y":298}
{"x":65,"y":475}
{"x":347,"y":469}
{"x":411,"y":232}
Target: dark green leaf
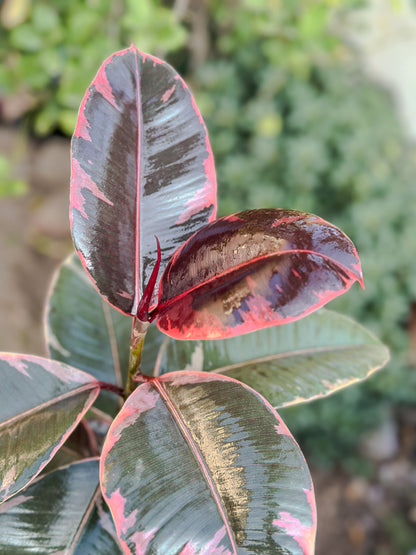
{"x":84,"y":331}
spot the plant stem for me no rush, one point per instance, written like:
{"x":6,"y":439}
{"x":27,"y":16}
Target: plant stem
{"x":112,"y":387}
{"x":138,"y":334}
{"x":140,"y":324}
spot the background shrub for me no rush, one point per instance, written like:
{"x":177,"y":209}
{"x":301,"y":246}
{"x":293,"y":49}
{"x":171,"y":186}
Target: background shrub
{"x":50,"y":51}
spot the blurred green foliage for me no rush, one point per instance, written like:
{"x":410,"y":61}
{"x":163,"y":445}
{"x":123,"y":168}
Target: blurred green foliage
{"x":52,"y":50}
{"x":292,"y":123}
{"x":402,"y":535}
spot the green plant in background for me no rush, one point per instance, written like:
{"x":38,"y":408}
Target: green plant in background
{"x":49,"y":51}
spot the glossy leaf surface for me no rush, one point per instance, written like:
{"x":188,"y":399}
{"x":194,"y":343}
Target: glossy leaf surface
{"x":254,"y":269}
{"x":199,"y":463}
{"x":82,"y":330}
{"x":61,"y":512}
{"x":310,"y":358}
{"x":141,"y":166}
{"x":41,"y":402}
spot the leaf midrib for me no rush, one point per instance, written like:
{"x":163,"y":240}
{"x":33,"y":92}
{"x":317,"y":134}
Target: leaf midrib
{"x":287,"y":354}
{"x":198,"y":457}
{"x":83,"y":521}
{"x":137,"y":269}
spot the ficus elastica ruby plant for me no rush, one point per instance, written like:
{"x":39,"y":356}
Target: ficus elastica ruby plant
{"x":173,"y":338}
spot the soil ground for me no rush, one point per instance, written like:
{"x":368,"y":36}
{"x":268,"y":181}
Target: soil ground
{"x":359,"y":516}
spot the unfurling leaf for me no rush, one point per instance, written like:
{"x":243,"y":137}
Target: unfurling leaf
{"x":254,"y":269}
{"x":200,"y":463}
{"x":141,"y":166}
{"x":41,"y":402}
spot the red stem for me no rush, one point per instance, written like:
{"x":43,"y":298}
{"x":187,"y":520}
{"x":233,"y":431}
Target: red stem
{"x":112,"y":387}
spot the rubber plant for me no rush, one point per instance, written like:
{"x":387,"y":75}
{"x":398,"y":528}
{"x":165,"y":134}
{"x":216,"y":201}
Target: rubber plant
{"x":169,"y":361}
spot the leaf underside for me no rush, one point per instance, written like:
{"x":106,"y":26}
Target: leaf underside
{"x":199,"y":463}
{"x":304,"y":360}
{"x":141,"y":166}
{"x":76,"y":521}
{"x":41,"y":402}
{"x":254,"y":269}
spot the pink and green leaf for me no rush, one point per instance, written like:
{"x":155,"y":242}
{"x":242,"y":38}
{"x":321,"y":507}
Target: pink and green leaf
{"x":141,"y":166}
{"x":61,"y":512}
{"x":254,"y":269}
{"x":200,"y":463}
{"x":307,"y":359}
{"x":41,"y":402}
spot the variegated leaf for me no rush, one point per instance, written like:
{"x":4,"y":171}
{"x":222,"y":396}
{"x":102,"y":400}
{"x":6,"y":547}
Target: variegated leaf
{"x":254,"y":269}
{"x":304,"y":360}
{"x":199,"y":463}
{"x":141,"y":166}
{"x":41,"y":402}
{"x":61,"y":512}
